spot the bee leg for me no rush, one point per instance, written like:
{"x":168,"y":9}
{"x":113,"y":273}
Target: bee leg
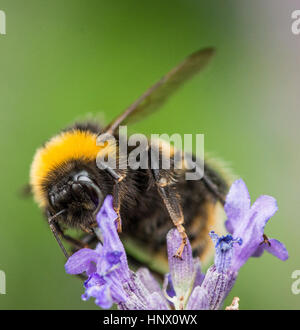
{"x":119,"y":183}
{"x":171,"y":200}
{"x":86,"y":229}
{"x":164,"y":180}
{"x":117,"y":205}
{"x":89,"y":239}
{"x":117,"y":176}
{"x":172,"y":203}
{"x":75,"y":243}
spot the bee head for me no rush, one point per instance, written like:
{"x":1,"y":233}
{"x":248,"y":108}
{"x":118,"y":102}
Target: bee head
{"x":78,"y":194}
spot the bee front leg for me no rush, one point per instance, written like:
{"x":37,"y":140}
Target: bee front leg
{"x":75,"y":243}
{"x":118,"y":176}
{"x":117,"y":205}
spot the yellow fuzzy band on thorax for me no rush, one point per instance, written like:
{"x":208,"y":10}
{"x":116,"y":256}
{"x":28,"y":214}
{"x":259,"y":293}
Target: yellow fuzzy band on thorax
{"x":75,"y":144}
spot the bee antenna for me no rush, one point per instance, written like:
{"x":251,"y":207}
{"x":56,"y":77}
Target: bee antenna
{"x":51,"y":219}
{"x":54,"y":231}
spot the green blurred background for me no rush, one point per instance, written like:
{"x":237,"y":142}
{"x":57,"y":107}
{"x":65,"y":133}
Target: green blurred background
{"x":61,"y":60}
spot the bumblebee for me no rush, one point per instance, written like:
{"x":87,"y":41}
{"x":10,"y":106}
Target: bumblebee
{"x":70,"y":187}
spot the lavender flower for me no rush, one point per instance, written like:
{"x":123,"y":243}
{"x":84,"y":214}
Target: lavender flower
{"x":185,"y":287}
{"x":248,"y":223}
{"x":219,"y":278}
{"x":109,"y":278}
{"x":106,"y":266}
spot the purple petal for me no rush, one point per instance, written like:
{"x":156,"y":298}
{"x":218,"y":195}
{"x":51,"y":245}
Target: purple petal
{"x":138,"y":295}
{"x":138,"y":288}
{"x":81,"y":261}
{"x":216,"y":287}
{"x":102,"y":295}
{"x":111,"y":241}
{"x":94,"y":280}
{"x":182,"y":271}
{"x":199,"y":277}
{"x":168,"y":286}
{"x":259,"y":251}
{"x":133,"y":304}
{"x":237,"y":205}
{"x":117,"y":291}
{"x":91,"y":269}
{"x":99,"y":248}
{"x":262,"y":210}
{"x":149,"y":281}
{"x":96,"y":288}
{"x":251,"y":230}
{"x":113,"y":257}
{"x":276,"y":248}
{"x":106,"y":221}
{"x":109,"y":262}
{"x":107,"y":211}
{"x":198,"y":300}
{"x":157,"y":303}
{"x":106,"y":290}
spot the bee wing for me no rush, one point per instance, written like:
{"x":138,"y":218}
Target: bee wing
{"x":158,"y":94}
